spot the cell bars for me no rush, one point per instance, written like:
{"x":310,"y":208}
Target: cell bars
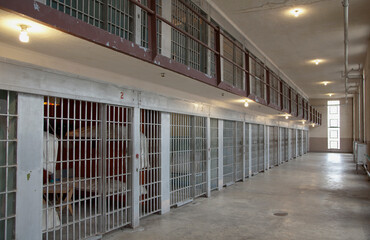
{"x":273,"y":148}
{"x":293,"y":150}
{"x":261,"y":148}
{"x":254,"y":142}
{"x":116,"y":184}
{"x":229,"y":141}
{"x":214,"y":154}
{"x":239,"y":151}
{"x":304,"y":139}
{"x":86,"y":168}
{"x":8,"y":163}
{"x":299,"y":142}
{"x":246,"y":149}
{"x":188,"y":158}
{"x":150,"y":162}
{"x":286,"y":144}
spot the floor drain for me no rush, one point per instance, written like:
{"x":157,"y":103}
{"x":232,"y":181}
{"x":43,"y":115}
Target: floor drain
{"x":281,"y":214}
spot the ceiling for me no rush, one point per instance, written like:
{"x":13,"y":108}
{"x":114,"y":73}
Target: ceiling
{"x":292,"y":42}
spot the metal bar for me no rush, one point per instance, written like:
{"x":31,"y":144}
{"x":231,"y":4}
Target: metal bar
{"x":220,"y":154}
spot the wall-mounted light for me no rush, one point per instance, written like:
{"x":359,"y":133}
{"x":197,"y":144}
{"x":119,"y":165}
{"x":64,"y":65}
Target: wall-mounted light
{"x":325,"y":83}
{"x":23,"y":36}
{"x":246,"y":104}
{"x":303,"y":122}
{"x":313,"y":125}
{"x":286,"y":117}
{"x":330,"y":94}
{"x":296,"y":12}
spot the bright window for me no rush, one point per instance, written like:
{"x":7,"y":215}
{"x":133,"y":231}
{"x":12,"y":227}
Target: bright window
{"x":333,"y":125}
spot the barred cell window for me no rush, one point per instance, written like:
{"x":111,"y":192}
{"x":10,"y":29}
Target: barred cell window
{"x":87,"y":11}
{"x":274,"y":89}
{"x":257,"y":77}
{"x":285,"y":96}
{"x":184,"y":49}
{"x":232,"y":74}
{"x":294,"y":102}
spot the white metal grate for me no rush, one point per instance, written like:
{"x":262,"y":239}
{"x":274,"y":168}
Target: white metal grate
{"x":181,"y":155}
{"x":8,"y":163}
{"x":72,"y":169}
{"x":200,"y":156}
{"x":214,"y":154}
{"x":87,"y":179}
{"x":254,"y":148}
{"x":273,"y":148}
{"x":150,"y":162}
{"x":293,"y":150}
{"x":246,"y":149}
{"x":116,"y":184}
{"x":239,"y":151}
{"x":261,"y":148}
{"x":229,"y":152}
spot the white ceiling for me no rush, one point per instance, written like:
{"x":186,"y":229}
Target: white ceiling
{"x":318,"y":33}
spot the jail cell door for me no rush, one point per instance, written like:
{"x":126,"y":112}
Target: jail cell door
{"x":261,"y":148}
{"x":181,"y":159}
{"x":286,"y":140}
{"x":299,"y":142}
{"x":214,"y":154}
{"x":8,"y":163}
{"x":229,"y":152}
{"x":246,"y":149}
{"x":304,"y":139}
{"x":254,"y":148}
{"x":150,"y":162}
{"x":293,"y":144}
{"x":72,"y":169}
{"x":276,"y":146}
{"x":271,"y":147}
{"x":239,"y":151}
{"x":116,"y":184}
{"x":200,"y":156}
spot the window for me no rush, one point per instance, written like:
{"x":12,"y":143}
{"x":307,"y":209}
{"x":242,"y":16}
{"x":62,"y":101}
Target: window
{"x":333,"y":125}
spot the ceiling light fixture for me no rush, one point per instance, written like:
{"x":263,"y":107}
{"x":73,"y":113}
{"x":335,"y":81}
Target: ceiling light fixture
{"x":23,"y":36}
{"x":330,"y":94}
{"x":317,"y":61}
{"x":325,"y":83}
{"x":246,"y":104}
{"x":296,"y":12}
{"x":313,"y":125}
{"x":286,"y":117}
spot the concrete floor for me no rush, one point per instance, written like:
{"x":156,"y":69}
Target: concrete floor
{"x":321,"y":193}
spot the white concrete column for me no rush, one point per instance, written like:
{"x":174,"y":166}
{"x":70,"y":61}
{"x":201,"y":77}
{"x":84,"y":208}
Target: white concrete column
{"x":165,"y":162}
{"x":250,"y":150}
{"x":135,"y":192}
{"x":267,"y":145}
{"x":208,"y":127}
{"x":243,"y":164}
{"x":29,"y":163}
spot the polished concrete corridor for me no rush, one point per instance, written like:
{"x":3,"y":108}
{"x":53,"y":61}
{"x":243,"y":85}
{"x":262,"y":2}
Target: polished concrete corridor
{"x":320,"y":195}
